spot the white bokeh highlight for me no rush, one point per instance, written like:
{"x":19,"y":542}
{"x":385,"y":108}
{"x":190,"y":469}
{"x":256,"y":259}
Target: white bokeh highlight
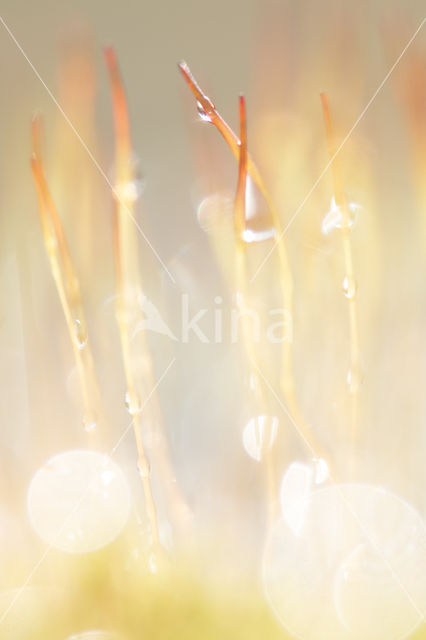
{"x":79,"y":501}
{"x":349,"y":563}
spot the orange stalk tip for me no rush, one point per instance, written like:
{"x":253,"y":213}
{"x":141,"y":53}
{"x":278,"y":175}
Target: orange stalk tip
{"x":36,"y":134}
{"x":240,"y":198}
{"x":243,"y":127}
{"x":110,"y":59}
{"x":186,"y":72}
{"x":338,"y":187}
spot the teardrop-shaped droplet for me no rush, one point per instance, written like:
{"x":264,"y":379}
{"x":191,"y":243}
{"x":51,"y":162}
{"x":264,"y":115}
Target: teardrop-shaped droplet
{"x":133,"y":403}
{"x":258,"y":224}
{"x":349,"y":287}
{"x":90,"y":420}
{"x":259,"y":435}
{"x":213,"y":211}
{"x":337,"y":219}
{"x":203,"y":115}
{"x":144,"y":468}
{"x":130,"y":191}
{"x":258,"y":235}
{"x":80,"y":333}
{"x":321,"y":470}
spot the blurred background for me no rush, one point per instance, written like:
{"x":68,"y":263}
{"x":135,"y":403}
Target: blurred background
{"x":281,"y":55}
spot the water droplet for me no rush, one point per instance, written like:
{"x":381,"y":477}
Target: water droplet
{"x":144,"y":468}
{"x":259,"y":435}
{"x":133,"y":403}
{"x":129,"y":191}
{"x":349,"y":287}
{"x":335,"y":218}
{"x":203,"y":115}
{"x":258,"y":235}
{"x":258,"y":225}
{"x":321,"y":470}
{"x":354,"y":379}
{"x":90,"y":420}
{"x":215,"y":210}
{"x":80,"y":333}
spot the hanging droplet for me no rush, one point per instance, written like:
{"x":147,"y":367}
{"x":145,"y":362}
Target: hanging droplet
{"x":349,"y":287}
{"x":259,"y":435}
{"x":258,"y":235}
{"x":90,"y":420}
{"x":131,"y":190}
{"x":337,"y":219}
{"x":354,"y":379}
{"x":80,"y":333}
{"x":133,"y":403}
{"x":144,"y":468}
{"x":213,"y":211}
{"x":321,"y":470}
{"x":203,"y":115}
{"x":258,"y":223}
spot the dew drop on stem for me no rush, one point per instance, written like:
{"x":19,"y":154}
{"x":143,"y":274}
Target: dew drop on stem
{"x":133,"y":403}
{"x":349,"y":287}
{"x":80,"y":333}
{"x":203,"y":115}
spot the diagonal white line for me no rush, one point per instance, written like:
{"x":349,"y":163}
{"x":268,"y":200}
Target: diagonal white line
{"x":330,"y":162}
{"x":89,"y":153}
{"x":76,"y":506}
{"x":345,"y":502}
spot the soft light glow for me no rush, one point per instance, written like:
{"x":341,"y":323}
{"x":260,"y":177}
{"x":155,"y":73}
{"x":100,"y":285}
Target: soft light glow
{"x":354,"y":568}
{"x":79,"y":501}
{"x":295,"y":492}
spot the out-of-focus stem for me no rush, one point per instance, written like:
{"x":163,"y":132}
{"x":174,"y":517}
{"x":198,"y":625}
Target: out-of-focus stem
{"x":68,"y":287}
{"x":341,"y":203}
{"x":132,"y":393}
{"x":129,"y":294}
